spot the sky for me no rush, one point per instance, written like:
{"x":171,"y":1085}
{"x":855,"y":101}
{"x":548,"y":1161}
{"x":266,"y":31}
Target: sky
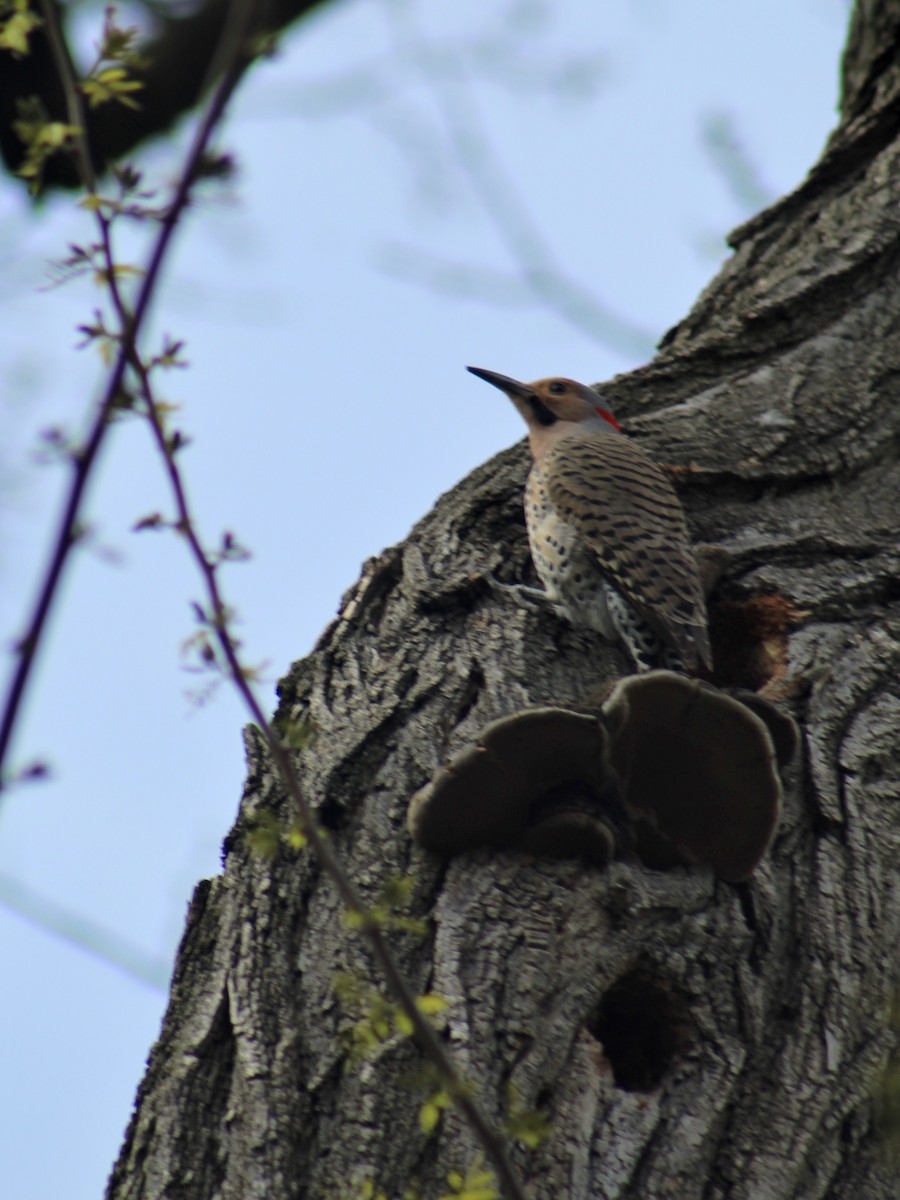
{"x":524,"y":186}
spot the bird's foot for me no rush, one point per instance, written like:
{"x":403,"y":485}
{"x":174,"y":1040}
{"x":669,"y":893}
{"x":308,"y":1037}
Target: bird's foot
{"x":529,"y":597}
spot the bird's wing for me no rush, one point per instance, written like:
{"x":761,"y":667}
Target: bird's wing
{"x":627,"y":512}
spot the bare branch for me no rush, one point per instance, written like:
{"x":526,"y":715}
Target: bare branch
{"x":497,"y":194}
{"x":84,"y":460}
{"x":367,"y":923}
{"x":216,"y":618}
{"x":87,"y":935}
{"x":733,"y":164}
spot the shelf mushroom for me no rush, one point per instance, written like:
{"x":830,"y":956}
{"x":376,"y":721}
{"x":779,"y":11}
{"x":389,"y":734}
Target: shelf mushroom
{"x":699,"y":771}
{"x":538,"y":781}
{"x":672,"y":770}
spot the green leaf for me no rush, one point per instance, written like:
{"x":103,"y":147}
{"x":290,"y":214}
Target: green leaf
{"x":16,"y":29}
{"x":430,"y":1004}
{"x":429,"y":1115}
{"x":476,"y":1184}
{"x":526,"y":1125}
{"x":402,"y":1023}
{"x":296,"y":838}
{"x":41,"y":137}
{"x":263,"y":837}
{"x":111,"y":84}
{"x":297,"y":733}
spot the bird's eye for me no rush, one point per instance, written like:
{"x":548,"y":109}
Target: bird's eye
{"x":556,"y":387}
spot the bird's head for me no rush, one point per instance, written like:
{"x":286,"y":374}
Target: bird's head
{"x":548,"y":401}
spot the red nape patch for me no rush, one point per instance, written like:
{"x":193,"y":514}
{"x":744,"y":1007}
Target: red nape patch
{"x":607,"y":416}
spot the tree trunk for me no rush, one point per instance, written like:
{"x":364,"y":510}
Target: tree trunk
{"x":682,"y":1036}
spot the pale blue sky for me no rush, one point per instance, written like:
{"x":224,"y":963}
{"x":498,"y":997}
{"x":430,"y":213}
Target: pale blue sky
{"x":330,"y":407}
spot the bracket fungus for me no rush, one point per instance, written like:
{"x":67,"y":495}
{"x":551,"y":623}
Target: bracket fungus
{"x":699,"y":771}
{"x":672,"y":770}
{"x":537,"y":781}
{"x":781,"y":726}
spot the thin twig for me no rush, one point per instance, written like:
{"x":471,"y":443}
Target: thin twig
{"x":72,"y":89}
{"x":492,"y":1142}
{"x":128,"y":356}
{"x":85,"y":458}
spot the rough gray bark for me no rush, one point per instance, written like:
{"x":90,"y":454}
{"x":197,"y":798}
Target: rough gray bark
{"x":684,"y":1037}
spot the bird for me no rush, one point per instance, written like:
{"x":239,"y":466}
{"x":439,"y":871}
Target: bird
{"x":607,"y":532}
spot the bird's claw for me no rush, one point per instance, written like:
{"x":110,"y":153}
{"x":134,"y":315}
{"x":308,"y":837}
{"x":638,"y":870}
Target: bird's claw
{"x":528,"y":597}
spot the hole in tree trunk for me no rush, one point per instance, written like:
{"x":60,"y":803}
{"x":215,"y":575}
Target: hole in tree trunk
{"x":749,"y":639}
{"x":643,"y":1026}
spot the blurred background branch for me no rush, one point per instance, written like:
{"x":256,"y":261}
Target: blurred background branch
{"x":62,"y":921}
{"x":177,"y":53}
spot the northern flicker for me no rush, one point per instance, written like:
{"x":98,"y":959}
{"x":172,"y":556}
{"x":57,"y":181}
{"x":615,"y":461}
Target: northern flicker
{"x":606,"y":529}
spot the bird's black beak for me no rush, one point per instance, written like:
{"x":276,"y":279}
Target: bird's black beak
{"x":512,"y":387}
